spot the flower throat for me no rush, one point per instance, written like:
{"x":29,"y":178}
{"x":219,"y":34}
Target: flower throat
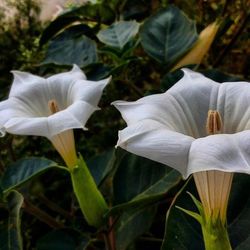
{"x":214,"y":186}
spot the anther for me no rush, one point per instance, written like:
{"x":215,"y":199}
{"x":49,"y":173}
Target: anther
{"x":214,"y":122}
{"x":52,"y":104}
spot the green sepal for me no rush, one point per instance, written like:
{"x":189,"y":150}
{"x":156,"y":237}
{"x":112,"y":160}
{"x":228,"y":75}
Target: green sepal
{"x":214,"y":232}
{"x":91,"y":201}
{"x":191,"y":213}
{"x":197,"y":204}
{"x":198,"y":217}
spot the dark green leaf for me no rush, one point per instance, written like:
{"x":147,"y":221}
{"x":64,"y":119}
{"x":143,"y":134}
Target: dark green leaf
{"x":136,"y":9}
{"x":132,"y":224}
{"x":170,"y":79}
{"x":119,"y":33}
{"x":239,"y":211}
{"x":70,"y":48}
{"x":244,"y":245}
{"x":97,"y":71}
{"x":23,"y":170}
{"x":121,"y":55}
{"x":14,"y":201}
{"x":168,"y":35}
{"x":61,"y":240}
{"x":219,"y":76}
{"x":88,"y":12}
{"x":101,"y":165}
{"x":55,"y":26}
{"x":182,"y":232}
{"x":4,"y":235}
{"x":139,"y":181}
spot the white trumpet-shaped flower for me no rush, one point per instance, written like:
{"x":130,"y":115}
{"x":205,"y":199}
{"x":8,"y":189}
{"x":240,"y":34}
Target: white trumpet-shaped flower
{"x":171,"y":128}
{"x":51,"y":107}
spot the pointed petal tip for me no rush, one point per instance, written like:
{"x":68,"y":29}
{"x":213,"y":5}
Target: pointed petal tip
{"x":76,"y":68}
{"x":118,"y":102}
{"x":17,"y":73}
{"x":188,"y":71}
{"x":106,"y":81}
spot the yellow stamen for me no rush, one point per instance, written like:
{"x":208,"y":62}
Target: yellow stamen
{"x":214,"y":122}
{"x":53,"y":107}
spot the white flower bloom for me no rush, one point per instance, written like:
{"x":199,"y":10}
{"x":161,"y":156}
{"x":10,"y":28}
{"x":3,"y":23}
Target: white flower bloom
{"x":171,"y":127}
{"x":26,"y":111}
{"x":50,"y":107}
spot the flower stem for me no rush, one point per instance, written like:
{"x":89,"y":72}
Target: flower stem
{"x":215,"y":235}
{"x":90,"y":199}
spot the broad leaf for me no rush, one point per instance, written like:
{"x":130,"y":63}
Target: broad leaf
{"x":14,"y":202}
{"x":87,"y":12}
{"x":184,"y":233}
{"x":101,"y":165}
{"x":97,"y":71}
{"x":139,"y":182}
{"x":70,"y":48}
{"x":239,"y":212}
{"x":62,"y":240}
{"x":132,"y":224}
{"x":23,"y":170}
{"x":55,"y":26}
{"x":168,"y":35}
{"x":170,"y":79}
{"x":119,"y":33}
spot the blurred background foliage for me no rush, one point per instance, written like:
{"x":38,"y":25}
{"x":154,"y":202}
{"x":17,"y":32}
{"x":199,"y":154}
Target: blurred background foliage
{"x":122,"y":38}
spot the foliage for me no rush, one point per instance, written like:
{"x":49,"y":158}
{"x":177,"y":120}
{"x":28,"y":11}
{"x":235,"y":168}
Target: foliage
{"x":137,"y":42}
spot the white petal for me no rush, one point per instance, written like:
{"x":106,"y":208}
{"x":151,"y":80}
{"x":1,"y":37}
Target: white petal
{"x":183,"y":108}
{"x":26,"y":112}
{"x":88,"y":91}
{"x":225,"y":152}
{"x":24,"y":79}
{"x":27,"y":126}
{"x":74,"y":116}
{"x":234,"y":106}
{"x":152,"y":140}
{"x":74,"y":74}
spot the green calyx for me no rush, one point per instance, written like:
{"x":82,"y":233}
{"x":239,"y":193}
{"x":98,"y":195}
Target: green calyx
{"x":90,"y":199}
{"x":214,"y":231}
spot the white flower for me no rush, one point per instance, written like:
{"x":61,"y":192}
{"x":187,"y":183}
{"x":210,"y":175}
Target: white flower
{"x":171,"y":127}
{"x":50,"y":107}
